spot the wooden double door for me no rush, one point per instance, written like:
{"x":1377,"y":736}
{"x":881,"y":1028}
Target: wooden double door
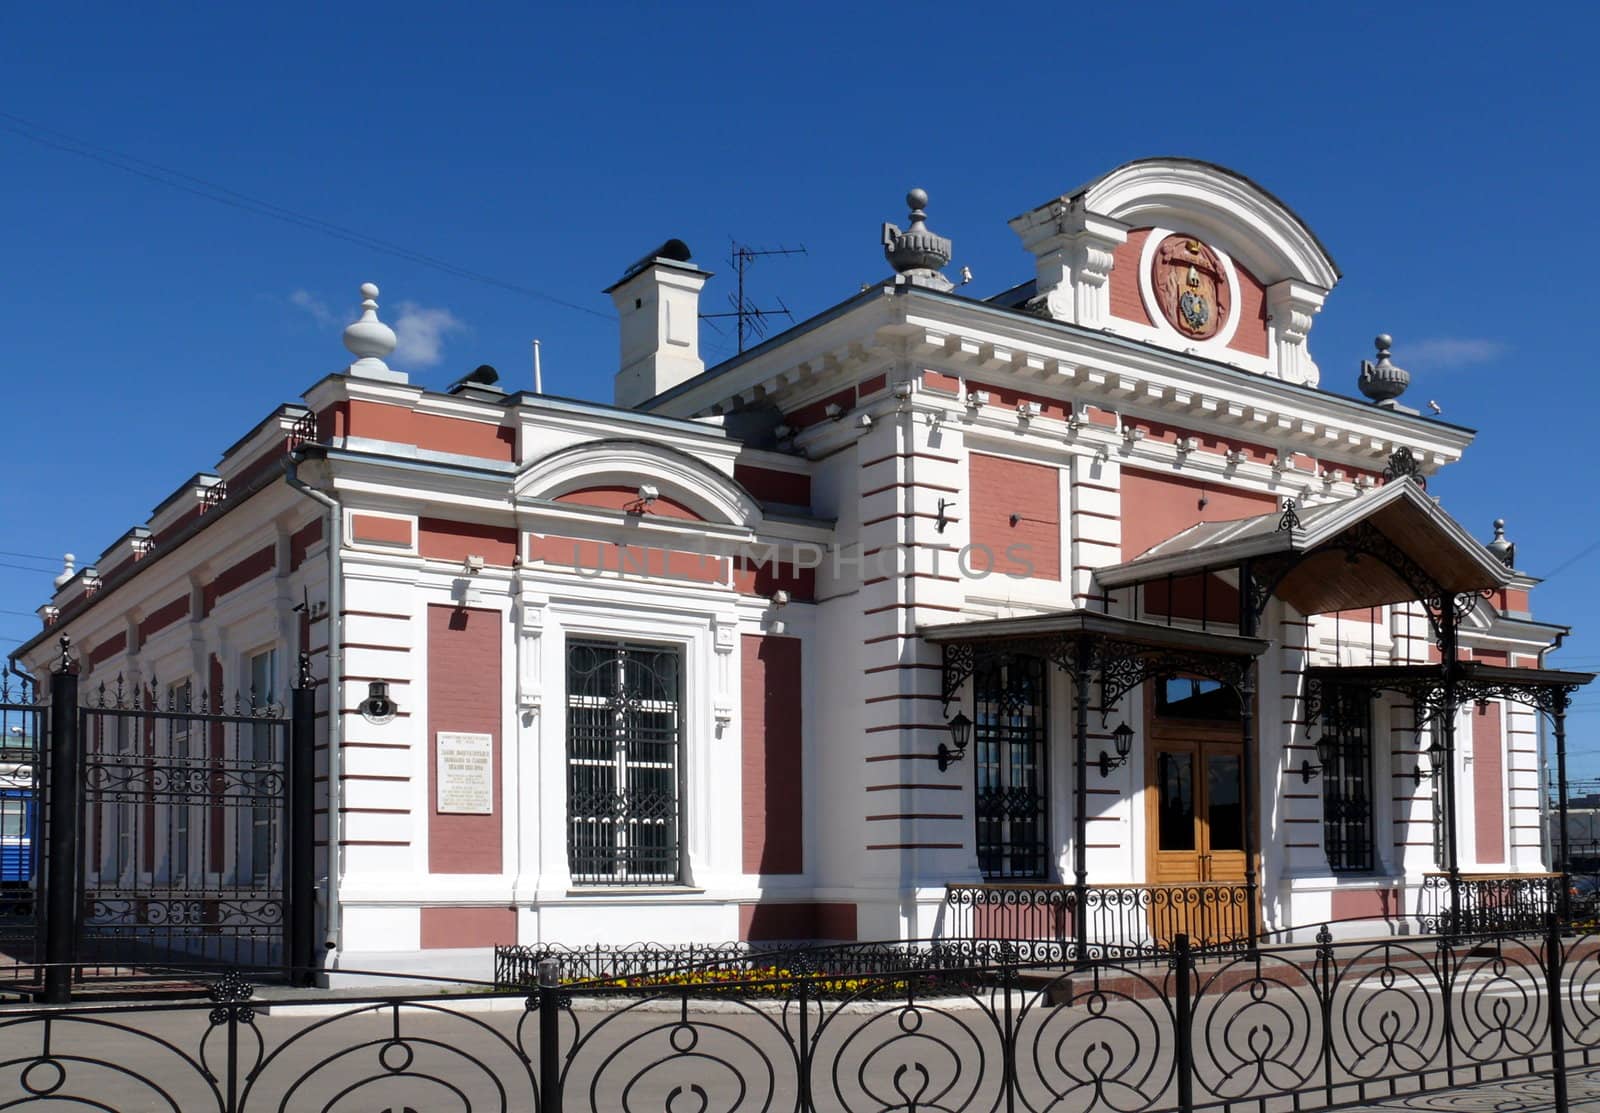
{"x":1196,"y":816}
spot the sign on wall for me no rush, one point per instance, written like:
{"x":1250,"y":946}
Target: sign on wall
{"x":465,"y":777}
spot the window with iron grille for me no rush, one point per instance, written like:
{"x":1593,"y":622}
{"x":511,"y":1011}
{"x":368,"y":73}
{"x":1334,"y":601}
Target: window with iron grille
{"x":1009,"y":734}
{"x":1347,"y":781}
{"x":624,"y":763}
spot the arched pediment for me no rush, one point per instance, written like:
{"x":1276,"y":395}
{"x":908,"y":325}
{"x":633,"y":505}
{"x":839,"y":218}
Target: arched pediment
{"x":628,"y":464}
{"x":1219,"y":205}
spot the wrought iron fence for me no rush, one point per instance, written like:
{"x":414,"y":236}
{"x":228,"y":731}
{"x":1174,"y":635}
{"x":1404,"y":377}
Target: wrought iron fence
{"x":1489,"y":903}
{"x":640,"y":964}
{"x":1123,"y":921}
{"x":1309,"y":1026}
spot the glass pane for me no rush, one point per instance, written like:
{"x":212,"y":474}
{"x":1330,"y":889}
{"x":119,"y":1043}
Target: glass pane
{"x":1175,"y":802}
{"x":1224,"y":817}
{"x":1188,"y":697}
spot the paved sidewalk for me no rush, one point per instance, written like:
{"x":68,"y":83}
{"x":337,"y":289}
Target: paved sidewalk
{"x":1517,"y":1095}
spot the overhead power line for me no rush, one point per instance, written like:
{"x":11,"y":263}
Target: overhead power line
{"x":211,"y":191}
{"x":1570,"y":561}
{"x":32,"y":556}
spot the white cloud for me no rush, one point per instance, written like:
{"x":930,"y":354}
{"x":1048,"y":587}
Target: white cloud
{"x":1443,"y":353}
{"x":421,"y":331}
{"x":313,"y":305}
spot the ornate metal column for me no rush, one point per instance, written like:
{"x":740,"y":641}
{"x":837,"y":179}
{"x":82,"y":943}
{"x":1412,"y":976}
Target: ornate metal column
{"x":1558,"y":713}
{"x":1080,"y":824}
{"x":1250,"y":608}
{"x":1448,"y":697}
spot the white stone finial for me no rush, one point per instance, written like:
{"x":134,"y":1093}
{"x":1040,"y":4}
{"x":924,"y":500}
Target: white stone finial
{"x":370,"y":340}
{"x":68,"y":570}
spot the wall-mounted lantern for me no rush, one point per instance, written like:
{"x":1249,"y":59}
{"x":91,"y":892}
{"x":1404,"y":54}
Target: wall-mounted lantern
{"x":1325,"y":755}
{"x":960,"y":735}
{"x":1123,"y":739}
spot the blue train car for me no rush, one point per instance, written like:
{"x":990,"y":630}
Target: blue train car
{"x":19,"y":827}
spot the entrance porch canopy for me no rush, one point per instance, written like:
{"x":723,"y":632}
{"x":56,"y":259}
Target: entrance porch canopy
{"x":1121,"y":654}
{"x":1314,"y":558}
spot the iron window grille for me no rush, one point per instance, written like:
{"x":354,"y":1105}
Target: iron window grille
{"x":624,"y":763}
{"x":1347,"y":819}
{"x":1009,"y":737}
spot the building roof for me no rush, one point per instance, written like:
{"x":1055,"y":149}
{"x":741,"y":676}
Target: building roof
{"x":1069,"y":623}
{"x":1331,"y":580}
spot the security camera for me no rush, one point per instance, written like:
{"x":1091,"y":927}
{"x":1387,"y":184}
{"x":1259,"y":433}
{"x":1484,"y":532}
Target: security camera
{"x":473,"y":564}
{"x":780,"y":598}
{"x":648,"y":493}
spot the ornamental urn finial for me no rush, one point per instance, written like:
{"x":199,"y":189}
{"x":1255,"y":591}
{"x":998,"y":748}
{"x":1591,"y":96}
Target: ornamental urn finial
{"x":917,"y":254}
{"x":1504,"y":551}
{"x":370,"y":340}
{"x":68,"y":570}
{"x":1382,"y":381}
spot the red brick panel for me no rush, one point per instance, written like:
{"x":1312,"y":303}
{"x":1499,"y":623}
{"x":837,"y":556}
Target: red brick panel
{"x":380,"y":530}
{"x":770,"y":730}
{"x":804,"y":920}
{"x":108,"y":649}
{"x":258,"y":563}
{"x":444,"y":539}
{"x":1365,"y":904}
{"x":464,"y":694}
{"x":402,"y":426}
{"x":750,"y":578}
{"x":627,"y":498}
{"x":1251,"y":335}
{"x":1156,"y":507}
{"x":1126,"y":300}
{"x":1015,"y":516}
{"x":302,"y":540}
{"x":1488,"y":786}
{"x":468,"y":927}
{"x":772,"y":485}
{"x":163,"y":617}
{"x":817,"y":411}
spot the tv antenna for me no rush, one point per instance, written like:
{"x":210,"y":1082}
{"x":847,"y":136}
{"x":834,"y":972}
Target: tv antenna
{"x":750,"y":318}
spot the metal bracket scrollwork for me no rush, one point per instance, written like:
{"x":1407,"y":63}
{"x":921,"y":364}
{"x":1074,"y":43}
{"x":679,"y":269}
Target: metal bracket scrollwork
{"x":960,"y":660}
{"x":1291,"y":519}
{"x":1402,"y":463}
{"x":1124,"y":667}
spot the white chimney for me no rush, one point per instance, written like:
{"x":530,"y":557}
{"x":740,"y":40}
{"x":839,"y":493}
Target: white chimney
{"x":658,"y":307}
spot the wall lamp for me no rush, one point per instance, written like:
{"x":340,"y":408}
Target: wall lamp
{"x":1123,"y":737}
{"x":1324,"y":760}
{"x":1435,"y":763}
{"x":960,"y":734}
{"x":940,"y":522}
{"x":377,"y":707}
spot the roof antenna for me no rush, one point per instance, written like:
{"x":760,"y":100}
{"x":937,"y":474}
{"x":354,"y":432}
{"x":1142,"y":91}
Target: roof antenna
{"x":538,"y":375}
{"x":749,"y":316}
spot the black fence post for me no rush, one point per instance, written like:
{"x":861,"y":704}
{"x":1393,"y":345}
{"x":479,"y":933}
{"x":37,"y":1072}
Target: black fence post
{"x":61,"y":810}
{"x":807,"y":1104}
{"x":1184,"y":1020}
{"x":299,"y":875}
{"x":549,"y":1036}
{"x":1558,"y":1033}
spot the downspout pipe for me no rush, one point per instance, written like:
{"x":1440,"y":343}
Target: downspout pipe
{"x":335,"y":534}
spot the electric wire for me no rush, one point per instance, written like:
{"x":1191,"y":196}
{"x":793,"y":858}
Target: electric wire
{"x":211,"y":191}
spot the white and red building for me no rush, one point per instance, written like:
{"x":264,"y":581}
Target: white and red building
{"x":680,"y":668}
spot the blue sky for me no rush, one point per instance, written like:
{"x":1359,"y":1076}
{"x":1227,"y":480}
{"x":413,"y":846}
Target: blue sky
{"x":1446,"y":154}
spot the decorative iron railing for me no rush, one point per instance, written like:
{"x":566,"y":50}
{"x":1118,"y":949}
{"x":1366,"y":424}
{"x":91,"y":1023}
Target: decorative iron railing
{"x":1489,"y":903}
{"x":1121,"y":921}
{"x":1315,"y":1025}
